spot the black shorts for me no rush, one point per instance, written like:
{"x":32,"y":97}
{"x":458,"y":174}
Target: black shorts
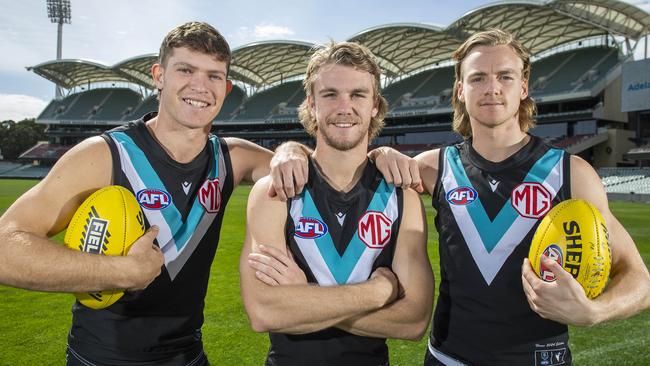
{"x":73,"y":358}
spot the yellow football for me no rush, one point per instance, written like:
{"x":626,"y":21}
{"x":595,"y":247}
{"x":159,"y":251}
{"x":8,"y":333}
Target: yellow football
{"x":574,"y":234}
{"x":107,"y":223}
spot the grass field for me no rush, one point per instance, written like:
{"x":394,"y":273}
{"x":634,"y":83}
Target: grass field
{"x":34,"y":326}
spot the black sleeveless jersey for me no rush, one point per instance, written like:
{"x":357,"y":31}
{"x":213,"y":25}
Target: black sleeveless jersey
{"x":339,"y":238}
{"x":487,"y":214}
{"x":186,"y":201}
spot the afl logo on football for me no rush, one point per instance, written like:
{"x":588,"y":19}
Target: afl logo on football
{"x":531,"y":199}
{"x":310,"y":228}
{"x":461,"y":196}
{"x":554,"y":252}
{"x":153,"y":199}
{"x":375,"y":229}
{"x":210,"y":195}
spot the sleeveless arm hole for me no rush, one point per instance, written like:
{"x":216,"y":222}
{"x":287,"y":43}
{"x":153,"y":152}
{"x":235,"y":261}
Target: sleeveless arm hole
{"x":438,"y":186}
{"x":116,"y":165}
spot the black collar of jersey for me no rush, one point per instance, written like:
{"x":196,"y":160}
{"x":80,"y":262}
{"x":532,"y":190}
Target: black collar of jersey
{"x":510,"y":162}
{"x":367,"y":181}
{"x":152,"y":145}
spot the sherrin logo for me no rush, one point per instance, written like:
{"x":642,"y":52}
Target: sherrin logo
{"x":554,"y":252}
{"x":153,"y":199}
{"x":461,"y":195}
{"x":310,"y":228}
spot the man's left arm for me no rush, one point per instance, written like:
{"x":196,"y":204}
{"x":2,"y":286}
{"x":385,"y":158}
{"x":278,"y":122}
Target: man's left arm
{"x":288,"y":167}
{"x":628,"y":291}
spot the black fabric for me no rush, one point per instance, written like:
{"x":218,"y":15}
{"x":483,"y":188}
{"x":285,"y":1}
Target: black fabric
{"x":491,"y":324}
{"x":333,"y":346}
{"x":164,"y":320}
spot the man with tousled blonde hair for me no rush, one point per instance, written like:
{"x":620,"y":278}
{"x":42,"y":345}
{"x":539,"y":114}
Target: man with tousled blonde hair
{"x":342,"y":266}
{"x":492,"y":308}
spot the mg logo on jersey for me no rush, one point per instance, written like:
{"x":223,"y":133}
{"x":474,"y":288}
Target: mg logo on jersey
{"x":153,"y":199}
{"x":554,"y":252}
{"x":310,"y":228}
{"x":210,"y":195}
{"x":461,"y":195}
{"x":374,"y":229}
{"x":531,"y":200}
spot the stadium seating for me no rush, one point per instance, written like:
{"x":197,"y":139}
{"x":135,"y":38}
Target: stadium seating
{"x":570,"y":71}
{"x":116,"y":105}
{"x":149,"y":104}
{"x":233,"y":100}
{"x":626,"y":180}
{"x":262,"y":104}
{"x":85,"y":104}
{"x":45,"y":151}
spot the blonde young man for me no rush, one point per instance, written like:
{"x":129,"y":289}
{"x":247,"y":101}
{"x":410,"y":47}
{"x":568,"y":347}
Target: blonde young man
{"x":339,"y":268}
{"x":492,"y":309}
{"x":173,"y":153}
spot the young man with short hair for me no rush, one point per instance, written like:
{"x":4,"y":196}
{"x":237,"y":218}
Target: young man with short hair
{"x":171,"y":151}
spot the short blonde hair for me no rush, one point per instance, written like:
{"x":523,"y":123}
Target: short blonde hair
{"x":347,"y":54}
{"x":491,"y":37}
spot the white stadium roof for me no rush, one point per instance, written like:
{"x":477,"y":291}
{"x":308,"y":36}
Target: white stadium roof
{"x":400,"y":48}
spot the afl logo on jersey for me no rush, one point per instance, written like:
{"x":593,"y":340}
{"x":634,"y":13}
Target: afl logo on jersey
{"x":462,"y":196}
{"x":554,"y":252}
{"x":210,"y":195}
{"x":375,"y":229}
{"x":531,"y":199}
{"x":310,"y":228}
{"x":153,"y":199}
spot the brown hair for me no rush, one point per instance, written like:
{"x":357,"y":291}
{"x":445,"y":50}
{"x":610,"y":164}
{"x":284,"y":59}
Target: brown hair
{"x":491,"y":37}
{"x":197,"y":36}
{"x":347,"y":54}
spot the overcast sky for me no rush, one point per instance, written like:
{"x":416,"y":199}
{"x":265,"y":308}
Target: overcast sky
{"x":112,"y":31}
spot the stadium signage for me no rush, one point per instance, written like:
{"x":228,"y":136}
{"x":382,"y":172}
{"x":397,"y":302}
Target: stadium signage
{"x":374,"y":229}
{"x":153,"y":199}
{"x":531,"y":199}
{"x":462,"y":196}
{"x":639,"y":86}
{"x":210,"y":195}
{"x":635,"y":86}
{"x":310,"y":228}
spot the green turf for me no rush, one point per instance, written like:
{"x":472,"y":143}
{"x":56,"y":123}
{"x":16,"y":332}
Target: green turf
{"x":34,"y":326}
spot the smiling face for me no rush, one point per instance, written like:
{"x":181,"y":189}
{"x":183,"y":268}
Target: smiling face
{"x":192,"y":86}
{"x":342,"y":103}
{"x":492,"y":86}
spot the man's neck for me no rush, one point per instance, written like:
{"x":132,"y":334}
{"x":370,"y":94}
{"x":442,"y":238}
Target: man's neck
{"x":182,"y":144}
{"x":341,"y":169}
{"x":498,"y":144}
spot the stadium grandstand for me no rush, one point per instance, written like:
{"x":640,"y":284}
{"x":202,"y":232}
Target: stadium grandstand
{"x":579,"y":50}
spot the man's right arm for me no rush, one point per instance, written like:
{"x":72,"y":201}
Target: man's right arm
{"x":28,"y":259}
{"x":298,"y":308}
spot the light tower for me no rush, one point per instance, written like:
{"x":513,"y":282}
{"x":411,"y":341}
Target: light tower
{"x":59,"y":12}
